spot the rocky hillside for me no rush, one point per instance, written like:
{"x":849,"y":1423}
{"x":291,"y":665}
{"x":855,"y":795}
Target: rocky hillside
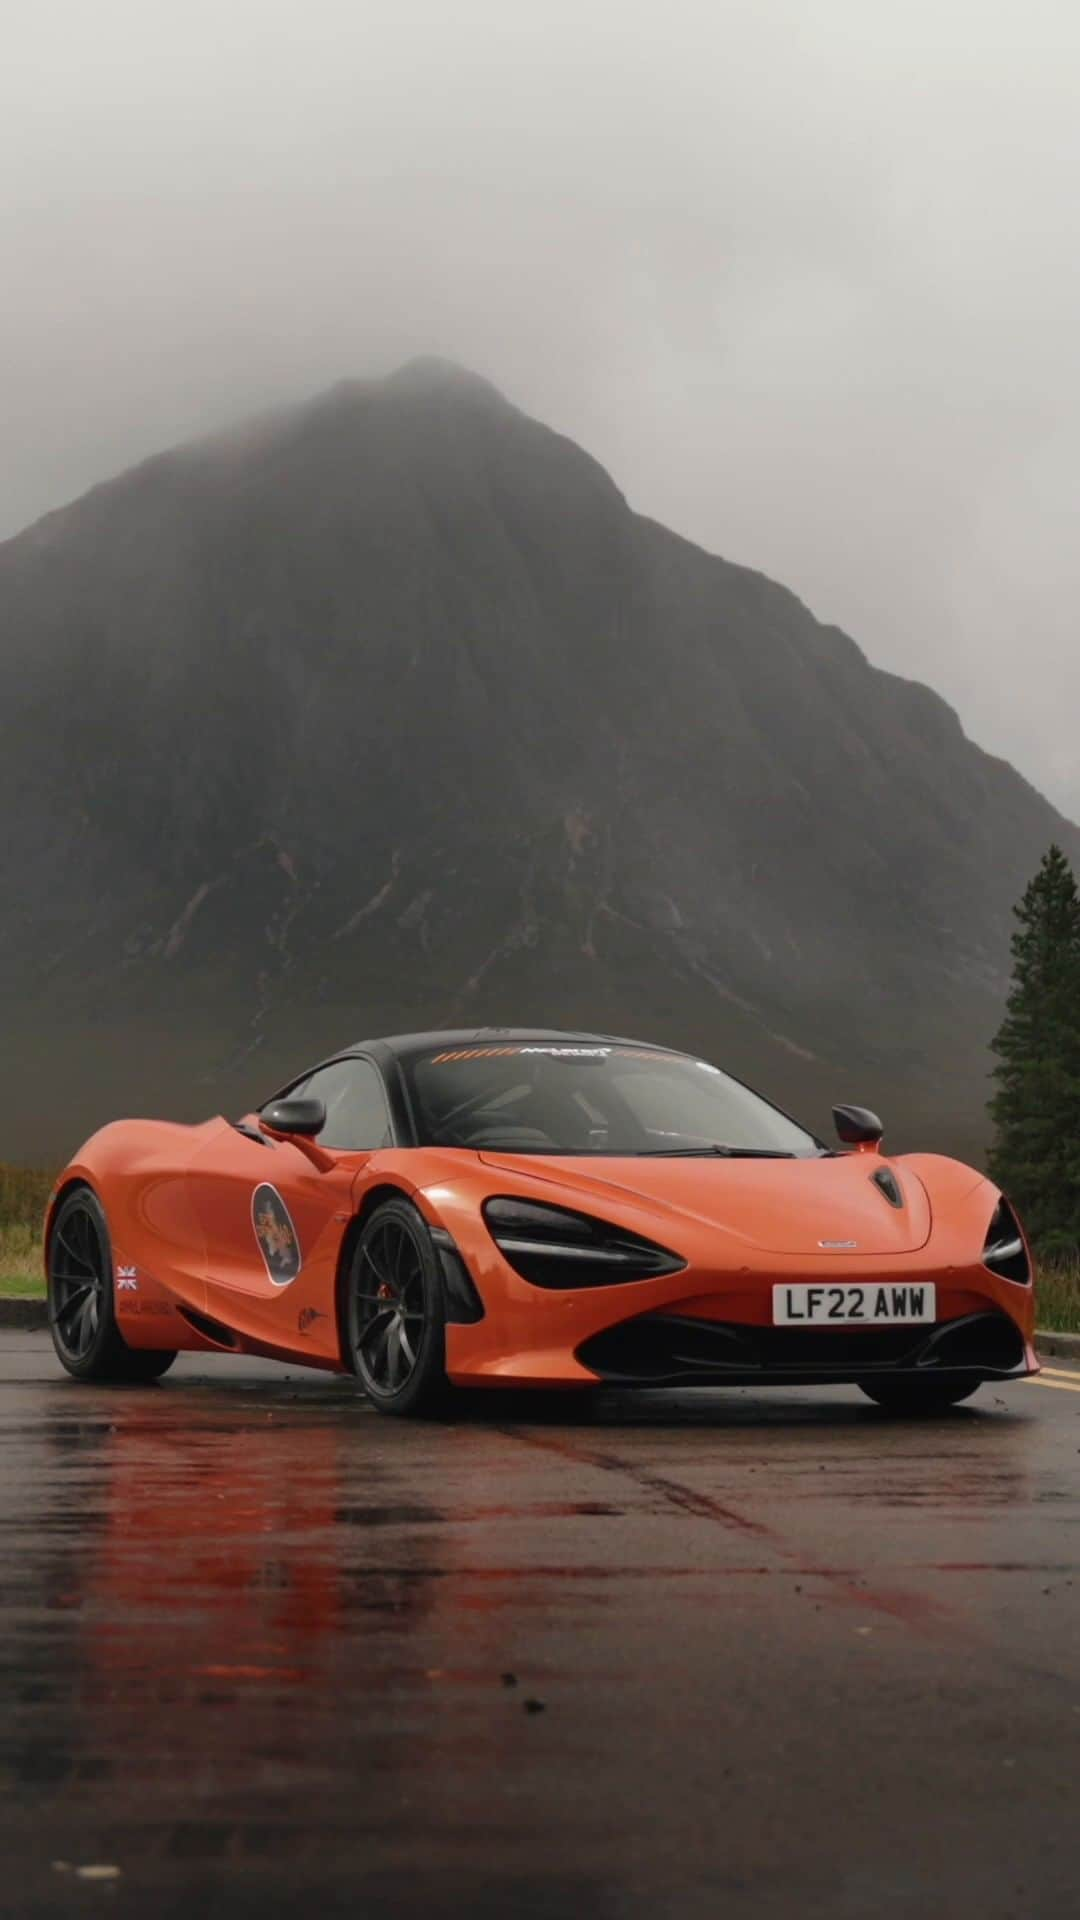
{"x":388,"y":711}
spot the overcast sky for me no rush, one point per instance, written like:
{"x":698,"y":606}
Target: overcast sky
{"x":803,"y":274}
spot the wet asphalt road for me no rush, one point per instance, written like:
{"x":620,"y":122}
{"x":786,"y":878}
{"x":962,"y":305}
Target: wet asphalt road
{"x":726,"y":1655}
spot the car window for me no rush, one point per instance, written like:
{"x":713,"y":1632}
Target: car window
{"x":556,"y":1097}
{"x":356,"y":1111}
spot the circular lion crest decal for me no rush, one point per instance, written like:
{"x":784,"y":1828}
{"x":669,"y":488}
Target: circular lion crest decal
{"x":276,"y":1235}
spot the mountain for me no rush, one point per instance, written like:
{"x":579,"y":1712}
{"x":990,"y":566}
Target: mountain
{"x":387,"y":711}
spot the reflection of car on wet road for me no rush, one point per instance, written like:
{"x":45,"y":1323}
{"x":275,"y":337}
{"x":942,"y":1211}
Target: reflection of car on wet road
{"x":526,"y":1208}
{"x":259,"y":1661}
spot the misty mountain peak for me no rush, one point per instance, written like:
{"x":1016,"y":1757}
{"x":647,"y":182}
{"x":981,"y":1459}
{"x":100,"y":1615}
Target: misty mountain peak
{"x":386,"y":708}
{"x":428,"y":381}
{"x":429,"y":373}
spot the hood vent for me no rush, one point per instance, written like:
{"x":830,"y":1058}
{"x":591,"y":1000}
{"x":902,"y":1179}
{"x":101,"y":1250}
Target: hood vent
{"x":888,"y":1184}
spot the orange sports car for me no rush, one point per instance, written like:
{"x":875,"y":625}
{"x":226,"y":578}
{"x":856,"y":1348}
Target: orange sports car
{"x":534,"y":1209}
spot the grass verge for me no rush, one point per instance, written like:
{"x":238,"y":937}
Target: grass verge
{"x":1058,"y":1297}
{"x":20,"y":1259}
{"x":23,"y":1193}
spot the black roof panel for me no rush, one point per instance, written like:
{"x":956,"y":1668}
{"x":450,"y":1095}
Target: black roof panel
{"x":410,"y":1043}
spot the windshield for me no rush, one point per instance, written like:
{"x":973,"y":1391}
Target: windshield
{"x":536,"y":1098}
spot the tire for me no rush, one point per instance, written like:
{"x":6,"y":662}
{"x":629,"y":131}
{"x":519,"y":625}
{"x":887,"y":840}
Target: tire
{"x":395,"y":1314}
{"x":82,"y":1307}
{"x":914,"y":1397}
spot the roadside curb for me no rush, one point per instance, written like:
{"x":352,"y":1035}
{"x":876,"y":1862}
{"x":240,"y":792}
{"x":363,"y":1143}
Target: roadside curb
{"x":1059,"y":1346}
{"x":29,"y":1314}
{"x":32,"y":1316}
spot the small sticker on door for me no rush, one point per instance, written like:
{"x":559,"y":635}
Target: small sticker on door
{"x":276,"y":1235}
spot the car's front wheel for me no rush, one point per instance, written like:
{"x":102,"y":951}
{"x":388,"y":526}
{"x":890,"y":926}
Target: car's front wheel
{"x":82,"y":1312}
{"x":395,"y":1319}
{"x":919,"y":1396}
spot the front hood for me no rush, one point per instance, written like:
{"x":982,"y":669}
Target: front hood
{"x":772,"y":1206}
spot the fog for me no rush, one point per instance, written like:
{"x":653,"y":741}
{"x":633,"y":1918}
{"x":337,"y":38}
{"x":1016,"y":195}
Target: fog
{"x":805,"y":279}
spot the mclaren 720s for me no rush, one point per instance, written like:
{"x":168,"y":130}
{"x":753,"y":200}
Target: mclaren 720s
{"x":520,"y":1208}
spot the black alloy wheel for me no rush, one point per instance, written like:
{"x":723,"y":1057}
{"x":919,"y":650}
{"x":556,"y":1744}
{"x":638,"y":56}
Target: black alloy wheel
{"x":77,"y":1279}
{"x":395,"y":1311}
{"x":82,"y":1314}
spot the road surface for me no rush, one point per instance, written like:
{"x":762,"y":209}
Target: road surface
{"x":723,"y":1655}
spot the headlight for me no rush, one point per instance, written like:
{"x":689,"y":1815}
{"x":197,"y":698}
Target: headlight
{"x":554,"y":1247}
{"x":1005,"y":1252}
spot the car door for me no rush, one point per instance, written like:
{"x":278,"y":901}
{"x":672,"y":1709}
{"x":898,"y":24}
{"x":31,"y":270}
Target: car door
{"x":274,"y":1212}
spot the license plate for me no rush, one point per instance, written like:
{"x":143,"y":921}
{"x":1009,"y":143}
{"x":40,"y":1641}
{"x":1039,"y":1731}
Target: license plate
{"x":853,"y":1306}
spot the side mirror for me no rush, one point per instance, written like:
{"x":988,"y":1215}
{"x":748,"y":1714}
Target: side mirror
{"x":299,"y":1116}
{"x":858,"y":1127}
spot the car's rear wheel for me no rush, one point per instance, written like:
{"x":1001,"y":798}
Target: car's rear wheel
{"x":395,"y":1314}
{"x":919,"y":1396}
{"x":82,"y":1311}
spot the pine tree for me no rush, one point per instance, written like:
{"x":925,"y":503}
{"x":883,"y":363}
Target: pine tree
{"x":1036,"y":1109}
